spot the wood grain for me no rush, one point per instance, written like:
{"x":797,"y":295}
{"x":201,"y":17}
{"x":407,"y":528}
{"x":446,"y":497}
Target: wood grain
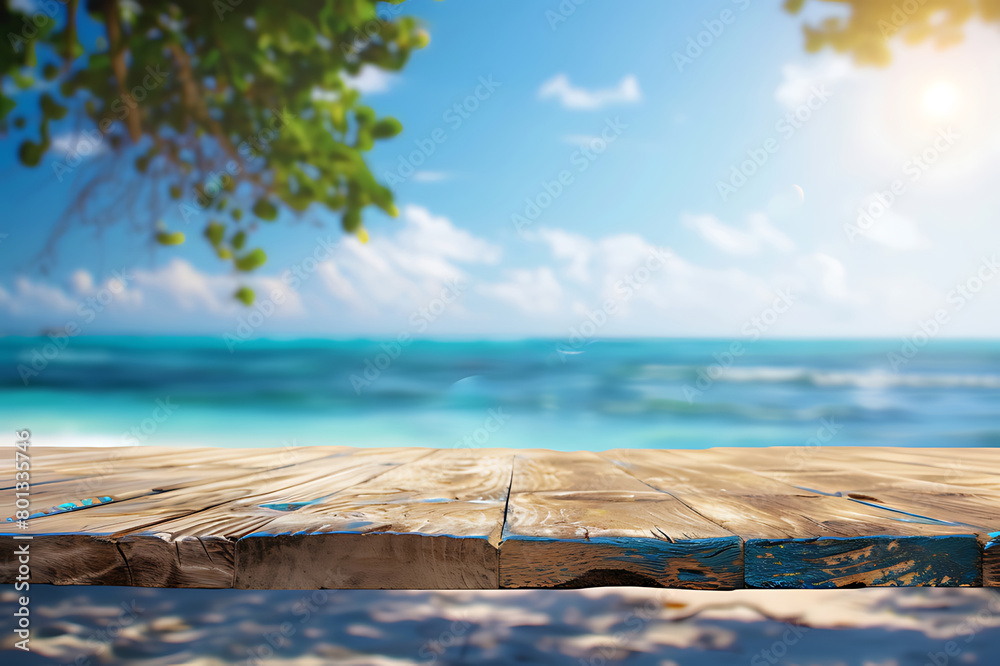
{"x":338,"y":517}
{"x":434,"y":523}
{"x":892,"y":515}
{"x":944,"y":561}
{"x":573,"y":517}
{"x":124,"y":535}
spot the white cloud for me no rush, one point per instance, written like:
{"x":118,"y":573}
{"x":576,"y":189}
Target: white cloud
{"x":370,"y":80}
{"x":798,"y":81}
{"x":32,"y":297}
{"x":735,"y":241}
{"x":829,"y":274}
{"x":437,"y":235}
{"x":567,"y":245}
{"x":531,"y":291}
{"x":149,"y":298}
{"x":393,"y":275}
{"x":81,"y":281}
{"x":78,"y":143}
{"x":559,"y":86}
{"x":894,"y":231}
{"x":430,"y":176}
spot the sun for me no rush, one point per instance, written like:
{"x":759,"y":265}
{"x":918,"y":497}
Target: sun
{"x":940,"y":99}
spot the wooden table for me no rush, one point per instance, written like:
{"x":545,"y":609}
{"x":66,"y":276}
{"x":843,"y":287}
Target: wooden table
{"x":414,"y":518}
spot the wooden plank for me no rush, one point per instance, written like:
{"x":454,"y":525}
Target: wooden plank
{"x":960,"y":482}
{"x":879,"y":545}
{"x":419,"y":518}
{"x":755,"y":506}
{"x":434,"y":523}
{"x":573,"y":520}
{"x":928,"y":492}
{"x":124,"y":539}
{"x":59,"y":486}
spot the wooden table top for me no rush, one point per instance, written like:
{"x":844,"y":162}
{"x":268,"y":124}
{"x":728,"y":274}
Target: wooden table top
{"x":415,"y":518}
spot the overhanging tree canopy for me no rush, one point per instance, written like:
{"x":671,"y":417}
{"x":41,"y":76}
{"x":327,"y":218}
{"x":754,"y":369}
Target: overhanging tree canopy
{"x":230,"y":109}
{"x":870,"y":25}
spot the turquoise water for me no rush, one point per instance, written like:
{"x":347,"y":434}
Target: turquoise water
{"x":532,"y":393}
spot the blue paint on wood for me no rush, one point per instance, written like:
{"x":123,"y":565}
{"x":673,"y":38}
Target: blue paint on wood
{"x":944,"y":561}
{"x":696,"y":561}
{"x":66,"y":507}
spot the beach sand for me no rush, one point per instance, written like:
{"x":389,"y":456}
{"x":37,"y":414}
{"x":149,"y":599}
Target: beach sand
{"x":867,"y":627}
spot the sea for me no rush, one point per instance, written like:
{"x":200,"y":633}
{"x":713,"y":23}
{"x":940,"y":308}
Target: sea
{"x":556,"y":394}
{"x":605,"y":394}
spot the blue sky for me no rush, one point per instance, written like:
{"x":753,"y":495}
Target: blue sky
{"x":649,"y":231}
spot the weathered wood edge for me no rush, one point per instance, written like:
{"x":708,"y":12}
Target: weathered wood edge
{"x":868,"y":561}
{"x":542,"y":562}
{"x":375,"y":560}
{"x":991,"y":560}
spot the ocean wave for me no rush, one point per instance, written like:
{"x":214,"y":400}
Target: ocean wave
{"x":856,"y":378}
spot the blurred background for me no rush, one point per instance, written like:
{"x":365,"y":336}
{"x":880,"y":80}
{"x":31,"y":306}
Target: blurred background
{"x":568,"y":225}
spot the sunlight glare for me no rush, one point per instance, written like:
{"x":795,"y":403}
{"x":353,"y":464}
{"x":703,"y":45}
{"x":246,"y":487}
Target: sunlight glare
{"x":940,"y":99}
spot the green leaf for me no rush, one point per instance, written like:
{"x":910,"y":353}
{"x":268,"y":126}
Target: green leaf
{"x":252,"y":260}
{"x":351,"y":220}
{"x":364,"y":115}
{"x":50,"y":71}
{"x":30,"y":153}
{"x":6,"y":106}
{"x":387,"y":127}
{"x":246,"y":295}
{"x":215,"y":232}
{"x":51,"y":108}
{"x":238,"y":240}
{"x":170,"y":238}
{"x":265,"y":210}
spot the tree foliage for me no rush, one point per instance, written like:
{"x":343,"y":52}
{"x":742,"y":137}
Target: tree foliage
{"x":866,"y":32}
{"x":233,"y":111}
